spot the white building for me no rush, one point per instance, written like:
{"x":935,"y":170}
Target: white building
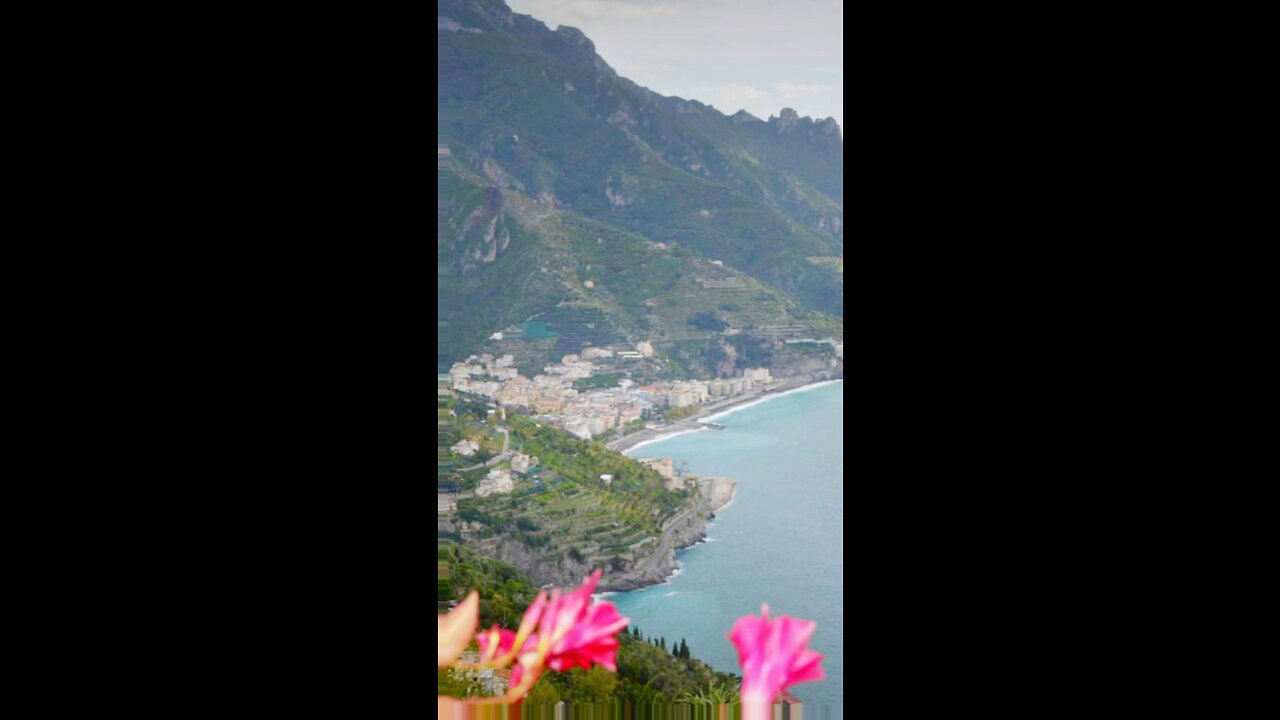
{"x":466,"y":448}
{"x":497,"y":481}
{"x":521,"y":463}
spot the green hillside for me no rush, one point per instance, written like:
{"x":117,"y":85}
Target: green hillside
{"x":559,"y":173}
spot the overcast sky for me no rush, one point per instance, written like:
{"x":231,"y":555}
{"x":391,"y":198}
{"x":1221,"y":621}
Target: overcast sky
{"x":757,"y":55}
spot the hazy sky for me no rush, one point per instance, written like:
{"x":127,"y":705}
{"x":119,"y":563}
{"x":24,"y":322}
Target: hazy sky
{"x":757,"y":55}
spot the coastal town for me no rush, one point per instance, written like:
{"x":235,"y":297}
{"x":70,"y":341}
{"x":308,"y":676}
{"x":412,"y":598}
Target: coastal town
{"x":510,"y":487}
{"x":563,"y":394}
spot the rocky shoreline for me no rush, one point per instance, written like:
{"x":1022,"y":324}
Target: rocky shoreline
{"x":717,"y":492}
{"x":686,"y":529}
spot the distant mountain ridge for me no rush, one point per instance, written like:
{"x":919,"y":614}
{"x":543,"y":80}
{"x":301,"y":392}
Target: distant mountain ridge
{"x":562,"y":185}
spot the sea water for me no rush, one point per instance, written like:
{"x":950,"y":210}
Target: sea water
{"x":780,"y":541}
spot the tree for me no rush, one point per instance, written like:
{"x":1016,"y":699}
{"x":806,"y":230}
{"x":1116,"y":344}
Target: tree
{"x":662,"y":643}
{"x":544,"y":693}
{"x":595,"y":685}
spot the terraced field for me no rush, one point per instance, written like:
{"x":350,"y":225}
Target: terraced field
{"x":565,"y":510}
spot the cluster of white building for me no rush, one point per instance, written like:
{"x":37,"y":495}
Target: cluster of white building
{"x":483,"y":374}
{"x":593,"y":412}
{"x":695,"y":392}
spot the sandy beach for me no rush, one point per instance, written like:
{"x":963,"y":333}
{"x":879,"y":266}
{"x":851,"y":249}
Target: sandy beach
{"x":691,"y":424}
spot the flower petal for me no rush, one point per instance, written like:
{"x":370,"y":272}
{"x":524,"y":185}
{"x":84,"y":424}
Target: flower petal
{"x":455,"y":630}
{"x":773,"y":654}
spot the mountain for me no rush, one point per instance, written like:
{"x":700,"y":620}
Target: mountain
{"x":572,"y":197}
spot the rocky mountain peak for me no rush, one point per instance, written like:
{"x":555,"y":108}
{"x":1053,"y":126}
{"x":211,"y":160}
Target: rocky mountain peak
{"x":786,"y":120}
{"x":495,"y":11}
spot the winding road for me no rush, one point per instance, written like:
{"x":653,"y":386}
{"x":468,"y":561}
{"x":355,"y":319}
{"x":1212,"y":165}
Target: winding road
{"x":651,"y":563}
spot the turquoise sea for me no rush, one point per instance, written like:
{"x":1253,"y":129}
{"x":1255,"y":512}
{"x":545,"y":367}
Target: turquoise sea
{"x":780,"y":541}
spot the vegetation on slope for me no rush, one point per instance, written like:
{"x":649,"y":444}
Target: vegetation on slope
{"x":565,"y":511}
{"x":649,"y":669}
{"x":539,"y":115}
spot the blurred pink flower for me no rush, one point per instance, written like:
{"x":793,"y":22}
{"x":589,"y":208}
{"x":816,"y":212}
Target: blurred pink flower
{"x":454,"y":631}
{"x":495,"y":642}
{"x":773,"y":657}
{"x":578,"y":633}
{"x":571,"y":632}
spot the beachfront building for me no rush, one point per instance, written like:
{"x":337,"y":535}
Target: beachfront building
{"x":684,"y":394}
{"x":679,"y":398}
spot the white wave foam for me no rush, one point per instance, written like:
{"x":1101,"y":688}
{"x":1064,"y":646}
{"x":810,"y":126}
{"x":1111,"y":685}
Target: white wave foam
{"x":673,"y":592}
{"x":674,"y":573}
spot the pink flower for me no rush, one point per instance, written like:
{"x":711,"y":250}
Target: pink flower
{"x":496,"y":644}
{"x":454,"y":631}
{"x":579,"y":634}
{"x":570,"y":632}
{"x":773,"y":656}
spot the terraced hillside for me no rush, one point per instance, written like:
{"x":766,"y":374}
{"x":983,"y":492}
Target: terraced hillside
{"x":562,"y":519}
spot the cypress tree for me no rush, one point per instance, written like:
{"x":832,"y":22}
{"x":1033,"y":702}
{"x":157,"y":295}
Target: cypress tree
{"x":663,"y":644}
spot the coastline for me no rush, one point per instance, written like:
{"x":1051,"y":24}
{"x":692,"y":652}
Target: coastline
{"x":663,"y":566}
{"x":711,"y":411}
{"x":694,"y":531}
